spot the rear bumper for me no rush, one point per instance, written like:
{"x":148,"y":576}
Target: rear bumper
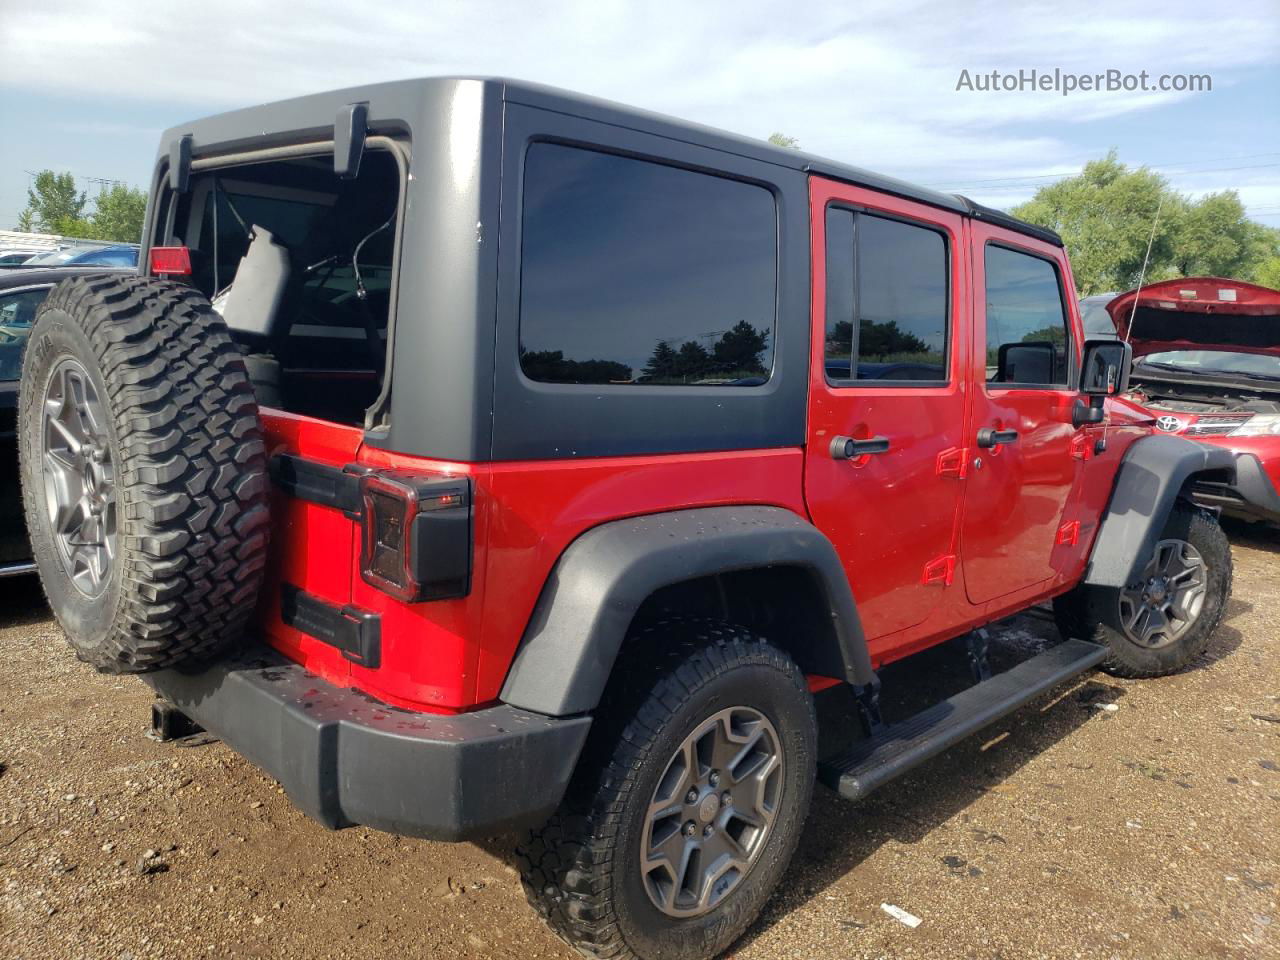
{"x":345,"y":758}
{"x":1252,"y":496}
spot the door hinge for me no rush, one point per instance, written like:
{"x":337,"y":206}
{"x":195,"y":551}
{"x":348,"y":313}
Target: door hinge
{"x":1082,"y":446}
{"x":1069,"y":534}
{"x":954,"y":462}
{"x":941,"y":571}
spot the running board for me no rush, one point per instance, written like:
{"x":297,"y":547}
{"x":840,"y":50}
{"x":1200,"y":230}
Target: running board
{"x":893,"y":750}
{"x":17,"y":569}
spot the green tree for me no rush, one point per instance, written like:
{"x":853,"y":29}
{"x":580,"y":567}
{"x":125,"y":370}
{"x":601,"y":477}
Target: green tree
{"x":782,"y":140}
{"x":692,"y":361}
{"x":53,"y":201}
{"x":1210,"y":237}
{"x":662,"y":362}
{"x":1107,"y":215}
{"x":118,"y":214}
{"x":740,"y":348}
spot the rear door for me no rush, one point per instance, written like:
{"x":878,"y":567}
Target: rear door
{"x":1018,"y":488}
{"x":888,"y":362}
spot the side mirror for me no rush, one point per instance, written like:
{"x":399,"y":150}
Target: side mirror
{"x":1106,"y":367}
{"x":1030,"y":362}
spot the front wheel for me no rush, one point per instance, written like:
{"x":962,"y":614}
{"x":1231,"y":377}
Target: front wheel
{"x":1164,"y":619}
{"x":689,"y":800}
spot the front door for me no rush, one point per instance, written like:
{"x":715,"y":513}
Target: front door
{"x":886,"y":398}
{"x":1021,"y":468}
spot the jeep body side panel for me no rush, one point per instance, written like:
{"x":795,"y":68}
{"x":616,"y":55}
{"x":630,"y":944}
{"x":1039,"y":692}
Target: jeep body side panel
{"x":452,"y":655}
{"x":598,"y":585}
{"x":1153,"y":474}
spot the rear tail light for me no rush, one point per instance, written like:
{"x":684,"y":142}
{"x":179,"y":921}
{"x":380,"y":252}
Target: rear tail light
{"x":171,"y":261}
{"x":416,"y":535}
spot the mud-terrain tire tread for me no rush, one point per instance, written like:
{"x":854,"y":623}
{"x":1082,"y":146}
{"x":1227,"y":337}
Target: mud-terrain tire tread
{"x":191,"y":479}
{"x":1090,"y":613}
{"x":565,"y":864}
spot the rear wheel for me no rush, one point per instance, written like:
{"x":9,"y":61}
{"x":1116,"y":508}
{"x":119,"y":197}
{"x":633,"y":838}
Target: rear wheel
{"x":689,"y":800}
{"x":1164,"y":619}
{"x":143,"y":473}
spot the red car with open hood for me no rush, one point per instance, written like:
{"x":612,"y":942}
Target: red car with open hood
{"x":1207,"y":366}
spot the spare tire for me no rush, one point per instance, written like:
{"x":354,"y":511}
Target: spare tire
{"x":143,"y":473}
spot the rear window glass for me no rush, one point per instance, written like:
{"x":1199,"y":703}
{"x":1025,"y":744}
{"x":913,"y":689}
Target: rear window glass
{"x":635,"y":272}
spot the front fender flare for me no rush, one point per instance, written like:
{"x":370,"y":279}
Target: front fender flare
{"x":602,"y":578}
{"x":1153,"y":474}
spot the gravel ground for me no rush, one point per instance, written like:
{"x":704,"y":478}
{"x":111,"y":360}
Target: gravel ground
{"x":1115,"y":819}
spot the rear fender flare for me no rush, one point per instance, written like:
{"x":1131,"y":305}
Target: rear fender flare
{"x":1154,"y":473}
{"x":592,"y":594}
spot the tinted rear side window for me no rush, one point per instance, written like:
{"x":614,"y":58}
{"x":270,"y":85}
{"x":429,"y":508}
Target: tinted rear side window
{"x":891,"y":278}
{"x":635,"y":272}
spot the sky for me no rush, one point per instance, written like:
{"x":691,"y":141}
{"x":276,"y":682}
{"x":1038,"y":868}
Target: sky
{"x":88,"y":86}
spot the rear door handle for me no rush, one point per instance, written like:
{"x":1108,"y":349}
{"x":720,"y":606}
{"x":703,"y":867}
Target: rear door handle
{"x":847,"y":448}
{"x":991,"y":437}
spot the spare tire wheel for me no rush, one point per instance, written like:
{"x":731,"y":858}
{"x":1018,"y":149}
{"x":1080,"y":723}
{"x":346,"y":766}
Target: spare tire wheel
{"x":143,"y":473}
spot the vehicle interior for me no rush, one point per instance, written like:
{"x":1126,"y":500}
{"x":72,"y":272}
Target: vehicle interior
{"x":300,"y":263}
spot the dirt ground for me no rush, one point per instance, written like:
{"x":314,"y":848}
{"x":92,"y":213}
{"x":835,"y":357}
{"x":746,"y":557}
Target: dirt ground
{"x":1115,"y":819}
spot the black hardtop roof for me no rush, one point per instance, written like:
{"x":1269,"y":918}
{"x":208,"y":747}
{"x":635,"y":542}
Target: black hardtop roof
{"x":403,"y":101}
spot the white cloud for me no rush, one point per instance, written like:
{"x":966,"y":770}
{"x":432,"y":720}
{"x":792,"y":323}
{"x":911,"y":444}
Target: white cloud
{"x":873,"y":84}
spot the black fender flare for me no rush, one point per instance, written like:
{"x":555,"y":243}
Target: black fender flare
{"x":600,"y":581}
{"x":1152,"y":476}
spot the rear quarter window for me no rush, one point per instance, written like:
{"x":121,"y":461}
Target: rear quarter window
{"x":640,"y":273}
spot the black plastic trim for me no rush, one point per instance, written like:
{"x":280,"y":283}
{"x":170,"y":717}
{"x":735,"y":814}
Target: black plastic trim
{"x":1155,"y":471}
{"x":1002,"y":219}
{"x":356,"y":633}
{"x":317,"y":482}
{"x":345,"y":758}
{"x":1251,"y":496}
{"x":350,"y":128}
{"x":602,"y":578}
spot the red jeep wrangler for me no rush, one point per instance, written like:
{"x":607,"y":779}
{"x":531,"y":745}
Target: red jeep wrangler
{"x":551,"y":456}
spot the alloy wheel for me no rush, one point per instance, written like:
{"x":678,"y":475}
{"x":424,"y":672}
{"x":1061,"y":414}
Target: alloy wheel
{"x":1166,"y":602}
{"x":712,"y":811}
{"x":79,"y":477}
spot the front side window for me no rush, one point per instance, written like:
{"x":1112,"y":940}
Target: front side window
{"x":17,"y":314}
{"x":886,"y":300}
{"x":639,"y":273}
{"x":1028,"y":340}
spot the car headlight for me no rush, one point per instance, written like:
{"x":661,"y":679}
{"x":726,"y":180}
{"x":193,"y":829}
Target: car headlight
{"x":1259,"y":425}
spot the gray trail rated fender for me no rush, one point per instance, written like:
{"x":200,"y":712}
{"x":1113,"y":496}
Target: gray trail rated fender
{"x":602,"y":578}
{"x":1151,"y":477}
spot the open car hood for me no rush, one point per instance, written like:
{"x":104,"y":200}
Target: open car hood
{"x":1199,"y":313}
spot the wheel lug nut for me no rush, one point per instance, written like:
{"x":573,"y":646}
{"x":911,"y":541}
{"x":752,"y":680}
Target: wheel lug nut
{"x":714,"y":779}
{"x":691,"y":797}
{"x":707,"y":830}
{"x":689,"y":828}
{"x":727,"y":800}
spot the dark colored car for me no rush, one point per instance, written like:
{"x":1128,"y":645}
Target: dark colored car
{"x":120,"y":255}
{"x":479,"y":457}
{"x":1207,"y":367}
{"x":21,"y":293}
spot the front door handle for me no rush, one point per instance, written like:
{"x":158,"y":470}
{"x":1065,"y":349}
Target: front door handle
{"x":847,"y":448}
{"x":991,"y":437}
